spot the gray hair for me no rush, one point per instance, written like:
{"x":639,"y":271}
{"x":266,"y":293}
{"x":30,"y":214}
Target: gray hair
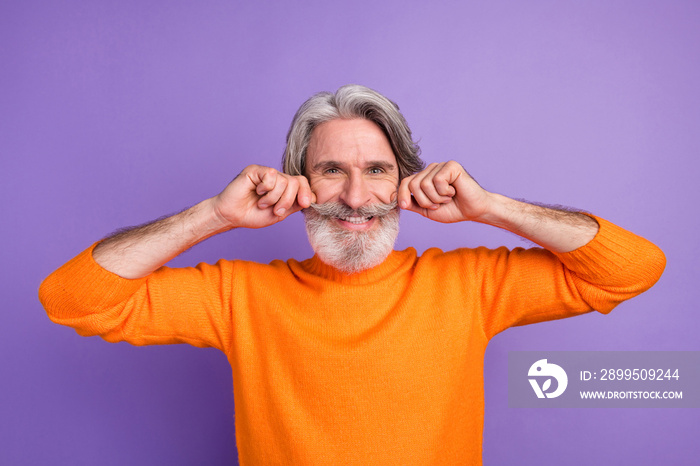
{"x":351,"y":101}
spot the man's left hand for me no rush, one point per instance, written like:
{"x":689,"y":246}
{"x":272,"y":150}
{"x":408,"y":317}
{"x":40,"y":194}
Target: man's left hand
{"x":444,"y":192}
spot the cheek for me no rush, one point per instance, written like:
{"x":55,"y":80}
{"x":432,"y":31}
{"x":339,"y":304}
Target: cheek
{"x":325,"y":190}
{"x":384,"y":189}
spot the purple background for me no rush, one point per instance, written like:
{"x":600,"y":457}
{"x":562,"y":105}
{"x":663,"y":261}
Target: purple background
{"x":113,"y":113}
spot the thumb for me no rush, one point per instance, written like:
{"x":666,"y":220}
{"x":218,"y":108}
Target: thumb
{"x":413,"y":206}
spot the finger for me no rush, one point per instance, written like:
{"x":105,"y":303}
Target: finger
{"x":428,"y":185}
{"x":404,"y":193}
{"x":413,"y":206}
{"x":266,"y":181}
{"x":444,"y":179}
{"x":419,"y":196}
{"x":305,"y":196}
{"x":288,"y":198}
{"x":272,"y":196}
{"x":460,"y":176}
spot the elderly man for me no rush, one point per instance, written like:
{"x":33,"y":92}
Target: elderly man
{"x":361,"y":354}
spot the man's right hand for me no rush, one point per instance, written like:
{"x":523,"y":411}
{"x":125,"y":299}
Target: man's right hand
{"x":257,"y":197}
{"x":261,"y":196}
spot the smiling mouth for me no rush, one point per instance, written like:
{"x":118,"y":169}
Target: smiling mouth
{"x":357,"y":220}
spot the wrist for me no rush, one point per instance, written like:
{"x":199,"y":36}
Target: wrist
{"x":498,"y":210}
{"x":209,"y":220}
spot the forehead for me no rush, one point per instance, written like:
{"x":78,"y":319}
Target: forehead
{"x":355,"y":141}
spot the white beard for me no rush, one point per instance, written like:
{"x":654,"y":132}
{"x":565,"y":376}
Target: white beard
{"x":347,"y":250}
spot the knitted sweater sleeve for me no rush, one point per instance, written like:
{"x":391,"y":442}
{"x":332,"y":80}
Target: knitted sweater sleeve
{"x":172,"y":305}
{"x":524,"y":286}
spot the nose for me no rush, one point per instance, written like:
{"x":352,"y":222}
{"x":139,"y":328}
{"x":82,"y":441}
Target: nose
{"x":355,"y":193}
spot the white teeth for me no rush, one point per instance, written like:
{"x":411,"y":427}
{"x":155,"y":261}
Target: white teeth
{"x":357,"y":220}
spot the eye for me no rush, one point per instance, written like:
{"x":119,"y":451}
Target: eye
{"x":330,"y":171}
{"x":376,"y":170}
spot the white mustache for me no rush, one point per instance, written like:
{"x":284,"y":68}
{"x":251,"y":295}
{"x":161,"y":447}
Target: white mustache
{"x":340,"y":210}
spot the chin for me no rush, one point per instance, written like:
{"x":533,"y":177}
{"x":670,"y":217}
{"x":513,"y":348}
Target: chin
{"x":352,"y":251}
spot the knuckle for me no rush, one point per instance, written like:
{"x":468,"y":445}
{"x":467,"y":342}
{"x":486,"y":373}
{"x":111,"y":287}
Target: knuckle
{"x":459,"y":166}
{"x":426,"y":183}
{"x":303,"y":182}
{"x":281,"y":182}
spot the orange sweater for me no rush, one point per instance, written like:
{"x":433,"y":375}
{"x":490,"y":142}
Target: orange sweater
{"x":383,"y":367}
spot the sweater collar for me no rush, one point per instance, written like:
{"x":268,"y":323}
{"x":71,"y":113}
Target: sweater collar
{"x":396,"y":261}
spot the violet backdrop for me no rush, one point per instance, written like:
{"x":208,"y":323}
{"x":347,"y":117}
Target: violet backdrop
{"x":113,"y":113}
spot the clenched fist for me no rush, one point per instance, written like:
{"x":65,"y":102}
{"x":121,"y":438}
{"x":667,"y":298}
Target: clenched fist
{"x":444,"y":192}
{"x":261,"y":196}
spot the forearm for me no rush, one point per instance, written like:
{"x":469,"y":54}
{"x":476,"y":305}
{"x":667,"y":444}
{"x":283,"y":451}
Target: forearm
{"x":554,"y":229}
{"x":136,"y":252}
{"x":258,"y":197}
